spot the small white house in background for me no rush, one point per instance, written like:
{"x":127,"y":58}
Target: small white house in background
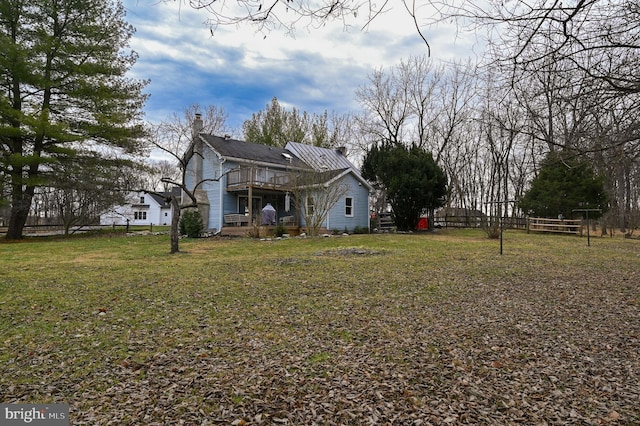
{"x":142,"y":208}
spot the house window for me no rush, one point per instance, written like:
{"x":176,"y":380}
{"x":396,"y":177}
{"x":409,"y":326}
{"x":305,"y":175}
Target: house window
{"x":348,"y":206}
{"x":310,"y":205}
{"x":140,"y":215}
{"x":141,"y":200}
{"x":165,"y":214}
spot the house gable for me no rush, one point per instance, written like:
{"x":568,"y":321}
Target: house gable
{"x":357,"y":215}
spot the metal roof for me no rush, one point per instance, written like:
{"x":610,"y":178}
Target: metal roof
{"x":325,"y":160}
{"x":320,"y":159}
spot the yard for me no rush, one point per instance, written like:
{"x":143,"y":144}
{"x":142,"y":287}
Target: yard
{"x":370,"y":329}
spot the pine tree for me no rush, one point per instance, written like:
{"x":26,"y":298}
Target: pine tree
{"x":411,"y":179}
{"x":563,"y":184}
{"x":63,"y":91}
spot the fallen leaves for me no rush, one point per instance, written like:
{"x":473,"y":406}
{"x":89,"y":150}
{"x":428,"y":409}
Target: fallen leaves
{"x":345,"y":336}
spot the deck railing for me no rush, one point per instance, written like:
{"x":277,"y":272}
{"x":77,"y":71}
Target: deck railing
{"x":259,"y":177}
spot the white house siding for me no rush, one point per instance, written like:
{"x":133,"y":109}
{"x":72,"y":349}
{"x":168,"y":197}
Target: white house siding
{"x":155,"y":214}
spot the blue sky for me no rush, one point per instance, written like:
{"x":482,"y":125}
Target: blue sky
{"x":241,"y":70}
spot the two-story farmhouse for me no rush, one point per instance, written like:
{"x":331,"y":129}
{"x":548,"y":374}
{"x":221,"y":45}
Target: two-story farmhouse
{"x":234,"y":180}
{"x":142,"y":208}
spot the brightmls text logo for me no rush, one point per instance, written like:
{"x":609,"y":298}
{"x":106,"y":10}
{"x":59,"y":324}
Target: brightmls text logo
{"x":36,"y":414}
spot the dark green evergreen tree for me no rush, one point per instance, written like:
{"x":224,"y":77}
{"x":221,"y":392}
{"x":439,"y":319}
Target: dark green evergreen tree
{"x":63,"y":91}
{"x":191,"y":224}
{"x":412,"y":180}
{"x":563,"y":184}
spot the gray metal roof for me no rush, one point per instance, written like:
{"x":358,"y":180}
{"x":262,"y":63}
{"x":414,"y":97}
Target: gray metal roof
{"x":320,"y":159}
{"x":241,"y":150}
{"x":325,"y":160}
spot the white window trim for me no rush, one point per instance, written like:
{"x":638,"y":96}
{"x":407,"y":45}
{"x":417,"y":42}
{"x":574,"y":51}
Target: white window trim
{"x":352,"y":207}
{"x":310,"y":206}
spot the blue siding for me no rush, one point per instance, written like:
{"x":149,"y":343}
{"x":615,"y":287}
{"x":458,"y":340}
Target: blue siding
{"x":337,"y":218}
{"x":210,"y":169}
{"x":221,"y":202}
{"x":229,"y":201}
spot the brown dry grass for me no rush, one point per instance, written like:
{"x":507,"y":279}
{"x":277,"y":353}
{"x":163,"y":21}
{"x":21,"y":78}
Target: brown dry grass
{"x":391,"y":329}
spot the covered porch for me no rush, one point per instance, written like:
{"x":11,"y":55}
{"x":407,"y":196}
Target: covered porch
{"x":244,"y":206}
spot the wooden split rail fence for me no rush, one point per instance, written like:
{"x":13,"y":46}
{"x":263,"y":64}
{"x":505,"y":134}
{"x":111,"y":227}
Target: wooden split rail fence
{"x":565,"y":226}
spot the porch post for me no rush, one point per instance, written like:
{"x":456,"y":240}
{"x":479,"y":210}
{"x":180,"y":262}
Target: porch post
{"x":250,"y":202}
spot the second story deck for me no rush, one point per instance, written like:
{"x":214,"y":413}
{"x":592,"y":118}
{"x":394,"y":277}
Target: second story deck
{"x":260,"y":177}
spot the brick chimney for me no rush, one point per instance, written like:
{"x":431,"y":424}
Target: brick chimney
{"x":197,"y":125}
{"x":196,"y":129}
{"x":202,"y":198}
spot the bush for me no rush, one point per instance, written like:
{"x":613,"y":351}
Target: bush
{"x":280,"y":230}
{"x":360,"y":230}
{"x":492,"y":230}
{"x":191,"y":224}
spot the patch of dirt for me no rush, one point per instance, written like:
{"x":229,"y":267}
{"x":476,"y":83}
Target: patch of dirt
{"x":349,"y":251}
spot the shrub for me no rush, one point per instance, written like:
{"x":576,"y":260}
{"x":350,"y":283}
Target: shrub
{"x":360,"y":230}
{"x":191,"y":224}
{"x":280,"y":230}
{"x":492,"y":229}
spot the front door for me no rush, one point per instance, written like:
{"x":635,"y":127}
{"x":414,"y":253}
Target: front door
{"x":243,"y":205}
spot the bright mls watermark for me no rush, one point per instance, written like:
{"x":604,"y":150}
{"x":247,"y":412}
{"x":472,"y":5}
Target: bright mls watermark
{"x":35,"y":414}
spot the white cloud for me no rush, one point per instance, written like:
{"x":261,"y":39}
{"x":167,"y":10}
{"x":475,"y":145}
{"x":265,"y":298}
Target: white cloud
{"x":240,"y":70}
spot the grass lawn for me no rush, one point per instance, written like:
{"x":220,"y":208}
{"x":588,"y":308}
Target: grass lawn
{"x":418,"y":329}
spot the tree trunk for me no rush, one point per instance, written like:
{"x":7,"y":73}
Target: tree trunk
{"x":20,"y":205}
{"x":175,"y":225}
{"x":621,"y":196}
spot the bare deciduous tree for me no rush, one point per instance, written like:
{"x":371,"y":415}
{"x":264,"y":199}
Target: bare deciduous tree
{"x":596,"y":38}
{"x":269,"y":15}
{"x":177,"y":138}
{"x":315,"y":193}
